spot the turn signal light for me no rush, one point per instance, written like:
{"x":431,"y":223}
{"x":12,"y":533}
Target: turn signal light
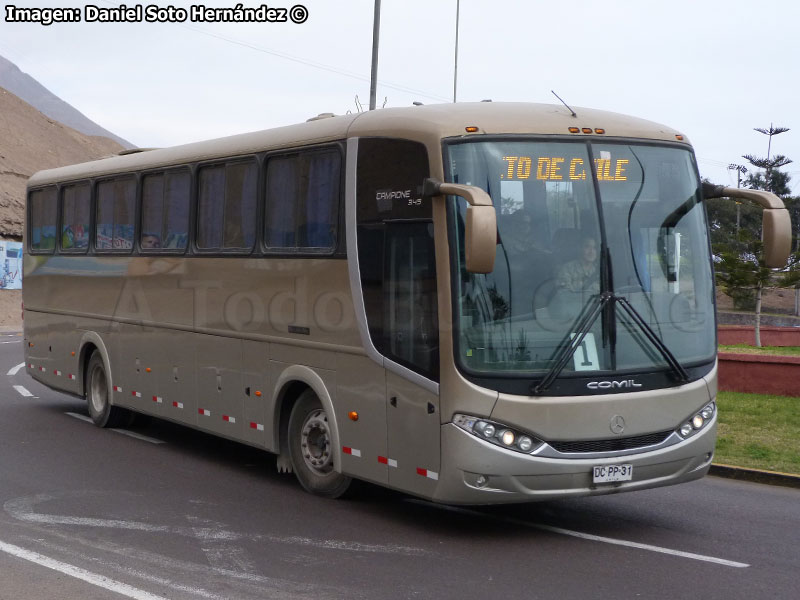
{"x":353,"y":415}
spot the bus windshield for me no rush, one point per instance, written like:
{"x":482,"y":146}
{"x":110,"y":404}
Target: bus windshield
{"x":580,"y":224}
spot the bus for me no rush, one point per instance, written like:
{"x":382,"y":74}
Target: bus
{"x":470,"y":303}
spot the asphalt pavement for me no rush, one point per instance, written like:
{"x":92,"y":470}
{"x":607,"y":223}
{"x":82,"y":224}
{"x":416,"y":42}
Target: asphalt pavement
{"x":161,"y":511}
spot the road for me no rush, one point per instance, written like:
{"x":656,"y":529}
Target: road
{"x":174,"y":513}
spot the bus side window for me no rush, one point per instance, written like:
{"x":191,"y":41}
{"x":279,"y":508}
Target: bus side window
{"x":75,"y":217}
{"x":115,"y":214}
{"x":302,"y":201}
{"x":283,"y":183}
{"x":43,"y":220}
{"x":227,"y":207}
{"x":176,"y":210}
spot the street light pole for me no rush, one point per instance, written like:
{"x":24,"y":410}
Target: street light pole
{"x":373,"y":82}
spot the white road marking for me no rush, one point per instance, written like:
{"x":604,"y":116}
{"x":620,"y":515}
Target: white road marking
{"x":139,"y":436}
{"x":132,"y":434}
{"x":23,"y":392}
{"x":15,"y":370}
{"x":23,"y":509}
{"x":78,"y":573}
{"x":588,"y":536}
{"x":79,"y":417}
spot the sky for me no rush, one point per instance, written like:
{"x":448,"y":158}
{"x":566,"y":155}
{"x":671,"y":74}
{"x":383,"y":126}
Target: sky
{"x":713,"y":69}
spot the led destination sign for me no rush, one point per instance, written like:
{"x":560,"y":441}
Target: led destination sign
{"x":559,"y":168}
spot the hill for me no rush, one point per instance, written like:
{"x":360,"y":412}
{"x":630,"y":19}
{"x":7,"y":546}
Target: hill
{"x":34,"y":93}
{"x":29,"y":142}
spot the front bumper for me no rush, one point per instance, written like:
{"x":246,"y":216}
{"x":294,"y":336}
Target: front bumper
{"x":515,"y":477}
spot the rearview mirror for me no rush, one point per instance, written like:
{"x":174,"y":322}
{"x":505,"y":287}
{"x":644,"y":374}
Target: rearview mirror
{"x":480,"y":239}
{"x":776,"y":226}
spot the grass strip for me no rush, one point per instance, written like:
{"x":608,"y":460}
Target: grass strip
{"x":772,"y":350}
{"x":759,"y":431}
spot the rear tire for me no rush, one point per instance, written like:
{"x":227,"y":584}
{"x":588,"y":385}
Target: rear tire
{"x":98,"y":395}
{"x":311,"y":448}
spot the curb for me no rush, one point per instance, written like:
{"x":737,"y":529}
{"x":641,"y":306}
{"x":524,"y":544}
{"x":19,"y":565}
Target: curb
{"x":755,"y":475}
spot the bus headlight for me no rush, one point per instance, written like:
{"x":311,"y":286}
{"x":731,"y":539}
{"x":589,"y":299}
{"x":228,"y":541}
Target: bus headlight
{"x":698,"y":421}
{"x":497,"y":433}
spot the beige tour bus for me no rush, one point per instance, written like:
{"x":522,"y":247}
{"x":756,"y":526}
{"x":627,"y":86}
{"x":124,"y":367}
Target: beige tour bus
{"x":471,"y":303}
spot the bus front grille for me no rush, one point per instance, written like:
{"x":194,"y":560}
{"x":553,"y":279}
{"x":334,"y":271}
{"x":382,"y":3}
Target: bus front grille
{"x":612,"y":445}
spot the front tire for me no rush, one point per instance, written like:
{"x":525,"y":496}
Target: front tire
{"x":98,"y":395}
{"x":311,"y":448}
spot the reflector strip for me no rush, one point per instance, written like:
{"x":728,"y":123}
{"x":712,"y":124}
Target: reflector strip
{"x":42,"y":369}
{"x":158,"y":399}
{"x":57,"y":372}
{"x":177,"y":404}
{"x":71,"y":376}
{"x":31,"y":366}
{"x":428,"y":474}
{"x":257,"y":426}
{"x":137,"y":394}
{"x":351,"y":451}
{"x":229,"y":419}
{"x":387,"y":461}
{"x":117,"y":388}
{"x":204,"y":412}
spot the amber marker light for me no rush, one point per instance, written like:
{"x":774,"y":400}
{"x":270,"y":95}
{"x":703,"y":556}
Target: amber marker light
{"x":147,"y":369}
{"x":600,"y":131}
{"x":679,"y":137}
{"x":258,"y":393}
{"x":353,"y":415}
{"x":72,"y":353}
{"x":574,"y":130}
{"x":471,"y":129}
{"x":587,"y":130}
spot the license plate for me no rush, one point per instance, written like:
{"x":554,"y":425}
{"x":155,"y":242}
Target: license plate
{"x":612,"y":473}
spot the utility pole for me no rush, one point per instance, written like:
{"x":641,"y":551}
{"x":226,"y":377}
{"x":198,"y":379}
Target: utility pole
{"x":739,"y":170}
{"x":455,"y":61}
{"x":376,"y":29}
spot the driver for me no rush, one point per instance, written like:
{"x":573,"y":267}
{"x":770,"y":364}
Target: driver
{"x":581,"y":274}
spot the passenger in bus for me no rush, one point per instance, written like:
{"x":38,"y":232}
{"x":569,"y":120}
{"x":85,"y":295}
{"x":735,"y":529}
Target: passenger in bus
{"x":150,"y":240}
{"x":529,"y":267}
{"x":581,"y":274}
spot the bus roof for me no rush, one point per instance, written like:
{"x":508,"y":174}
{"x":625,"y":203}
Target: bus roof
{"x":417,"y":122}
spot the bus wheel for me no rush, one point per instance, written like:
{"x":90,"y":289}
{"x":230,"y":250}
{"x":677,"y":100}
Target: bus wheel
{"x":101,"y":411}
{"x":311,"y":448}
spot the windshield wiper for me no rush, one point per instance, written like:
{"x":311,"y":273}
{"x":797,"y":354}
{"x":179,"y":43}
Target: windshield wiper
{"x":569,"y":345}
{"x":651,"y":335}
{"x":583,"y":324}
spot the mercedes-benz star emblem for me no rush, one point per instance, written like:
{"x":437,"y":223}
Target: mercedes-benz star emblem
{"x":617,"y":424}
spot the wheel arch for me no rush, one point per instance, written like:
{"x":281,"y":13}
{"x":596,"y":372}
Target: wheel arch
{"x":91,"y":342}
{"x":292,"y":382}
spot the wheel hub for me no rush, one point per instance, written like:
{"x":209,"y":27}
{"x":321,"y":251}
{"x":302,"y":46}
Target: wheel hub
{"x":315,"y":442}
